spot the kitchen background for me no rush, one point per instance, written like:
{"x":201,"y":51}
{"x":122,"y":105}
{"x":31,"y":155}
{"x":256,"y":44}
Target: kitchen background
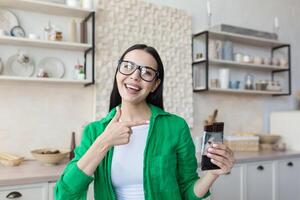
{"x":41,"y":114}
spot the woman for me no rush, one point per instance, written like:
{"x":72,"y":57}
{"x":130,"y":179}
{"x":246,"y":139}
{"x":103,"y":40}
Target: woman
{"x":139,"y":151}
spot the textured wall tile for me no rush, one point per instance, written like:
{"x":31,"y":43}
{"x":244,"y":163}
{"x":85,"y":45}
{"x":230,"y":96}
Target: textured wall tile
{"x":121,"y":24}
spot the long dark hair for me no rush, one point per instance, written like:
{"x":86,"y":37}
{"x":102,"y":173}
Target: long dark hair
{"x":156,"y":97}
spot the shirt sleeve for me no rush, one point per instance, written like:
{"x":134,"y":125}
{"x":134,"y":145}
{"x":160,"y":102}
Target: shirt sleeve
{"x":187,"y":165}
{"x":73,"y":183}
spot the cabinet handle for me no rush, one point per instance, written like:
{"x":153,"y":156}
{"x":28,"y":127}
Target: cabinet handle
{"x":290,"y":164}
{"x":260,"y":168}
{"x":14,"y":195}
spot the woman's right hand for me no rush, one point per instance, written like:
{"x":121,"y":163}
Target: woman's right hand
{"x":118,"y":133}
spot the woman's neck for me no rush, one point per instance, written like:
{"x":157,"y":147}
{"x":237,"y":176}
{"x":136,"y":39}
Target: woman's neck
{"x":134,"y":112}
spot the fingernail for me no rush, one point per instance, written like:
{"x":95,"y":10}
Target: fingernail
{"x":212,"y":160}
{"x":210,"y":149}
{"x":209,"y":154}
{"x":215,"y":145}
{"x":147,"y":121}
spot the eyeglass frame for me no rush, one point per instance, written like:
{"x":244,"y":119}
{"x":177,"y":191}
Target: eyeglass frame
{"x":139,"y":67}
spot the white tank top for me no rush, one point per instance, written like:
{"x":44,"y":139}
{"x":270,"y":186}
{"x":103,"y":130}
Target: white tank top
{"x":127,"y":166}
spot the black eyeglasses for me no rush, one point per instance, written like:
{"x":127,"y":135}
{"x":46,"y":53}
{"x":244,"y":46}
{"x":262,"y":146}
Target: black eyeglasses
{"x":146,"y":73}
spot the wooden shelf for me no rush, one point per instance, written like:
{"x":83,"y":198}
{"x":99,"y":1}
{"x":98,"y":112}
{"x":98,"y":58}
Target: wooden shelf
{"x":238,"y":38}
{"x":246,"y":65}
{"x":49,"y":80}
{"x":44,"y":43}
{"x":46,"y":8}
{"x":242,"y":91}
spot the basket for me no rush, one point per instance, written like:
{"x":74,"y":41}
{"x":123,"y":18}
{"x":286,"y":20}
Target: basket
{"x":242,"y":143}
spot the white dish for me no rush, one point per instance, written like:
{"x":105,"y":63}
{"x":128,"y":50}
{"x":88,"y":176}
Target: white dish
{"x":54,"y":67}
{"x":7,"y":20}
{"x":15,"y":68}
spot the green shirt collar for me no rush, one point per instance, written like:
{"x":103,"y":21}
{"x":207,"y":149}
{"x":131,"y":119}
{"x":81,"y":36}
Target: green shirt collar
{"x":155,"y":111}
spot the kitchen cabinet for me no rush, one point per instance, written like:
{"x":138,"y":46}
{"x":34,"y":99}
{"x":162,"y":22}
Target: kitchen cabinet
{"x":25,"y":192}
{"x":259,"y":181}
{"x":288,"y":179}
{"x":39,"y":191}
{"x":230,"y":185}
{"x":86,"y":49}
{"x":205,"y":66}
{"x":264,"y":180}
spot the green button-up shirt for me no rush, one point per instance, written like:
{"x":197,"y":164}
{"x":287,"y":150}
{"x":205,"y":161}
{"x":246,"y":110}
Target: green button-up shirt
{"x":170,"y":164}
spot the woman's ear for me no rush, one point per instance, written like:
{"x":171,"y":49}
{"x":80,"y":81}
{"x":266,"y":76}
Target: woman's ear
{"x":157,"y":82}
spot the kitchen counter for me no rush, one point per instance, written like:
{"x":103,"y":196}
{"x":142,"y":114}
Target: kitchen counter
{"x":244,"y":157}
{"x":31,"y":171}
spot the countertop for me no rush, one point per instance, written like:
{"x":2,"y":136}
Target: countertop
{"x":31,"y":171}
{"x":245,"y":157}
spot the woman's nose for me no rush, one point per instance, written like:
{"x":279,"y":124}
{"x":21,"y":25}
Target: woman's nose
{"x":135,"y":75}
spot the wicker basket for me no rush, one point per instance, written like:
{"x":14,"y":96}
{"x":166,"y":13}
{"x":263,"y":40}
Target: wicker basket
{"x":242,"y":143}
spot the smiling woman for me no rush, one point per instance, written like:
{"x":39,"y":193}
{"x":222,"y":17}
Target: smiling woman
{"x":139,"y":151}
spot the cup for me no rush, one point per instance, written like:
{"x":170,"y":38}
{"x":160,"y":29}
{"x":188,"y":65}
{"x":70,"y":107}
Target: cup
{"x":257,"y":60}
{"x":2,"y":32}
{"x":234,"y":84}
{"x":238,"y":57}
{"x":224,"y":78}
{"x":275,"y":61}
{"x":283,"y":62}
{"x":267,"y":61}
{"x":73,"y":3}
{"x":33,"y":36}
{"x":1,"y":66}
{"x":247,"y":59}
{"x":214,"y":83}
{"x":87,"y":4}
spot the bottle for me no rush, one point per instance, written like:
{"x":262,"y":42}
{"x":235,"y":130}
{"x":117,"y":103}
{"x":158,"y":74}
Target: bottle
{"x":72,"y":31}
{"x":73,"y":145}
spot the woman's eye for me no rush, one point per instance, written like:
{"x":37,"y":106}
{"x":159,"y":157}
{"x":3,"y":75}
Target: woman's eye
{"x":128,"y":67}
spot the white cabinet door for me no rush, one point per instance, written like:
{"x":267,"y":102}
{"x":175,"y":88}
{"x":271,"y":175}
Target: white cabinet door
{"x":288,"y":179}
{"x":229,"y":186}
{"x":25,"y":192}
{"x":51,"y":187}
{"x":259,"y":181}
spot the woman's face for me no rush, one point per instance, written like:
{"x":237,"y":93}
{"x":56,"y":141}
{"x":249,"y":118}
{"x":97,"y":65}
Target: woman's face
{"x":133,"y":88}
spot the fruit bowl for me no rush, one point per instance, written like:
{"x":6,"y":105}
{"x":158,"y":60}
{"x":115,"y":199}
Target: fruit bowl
{"x":50,"y":156}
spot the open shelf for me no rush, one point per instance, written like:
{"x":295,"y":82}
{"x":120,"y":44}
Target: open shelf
{"x":238,"y":38}
{"x":242,"y":91}
{"x":248,"y":65}
{"x":251,"y":41}
{"x":44,"y":43}
{"x":46,"y":8}
{"x":49,"y":80}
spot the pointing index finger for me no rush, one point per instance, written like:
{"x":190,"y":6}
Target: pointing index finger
{"x":136,"y":123}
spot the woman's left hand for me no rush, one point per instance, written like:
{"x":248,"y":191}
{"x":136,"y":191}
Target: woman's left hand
{"x":221,"y":156}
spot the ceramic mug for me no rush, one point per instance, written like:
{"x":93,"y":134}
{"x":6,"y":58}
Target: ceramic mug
{"x":234,"y":84}
{"x":238,"y":57}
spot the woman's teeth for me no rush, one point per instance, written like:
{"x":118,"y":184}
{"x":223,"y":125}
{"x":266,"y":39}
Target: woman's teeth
{"x":132,"y":87}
